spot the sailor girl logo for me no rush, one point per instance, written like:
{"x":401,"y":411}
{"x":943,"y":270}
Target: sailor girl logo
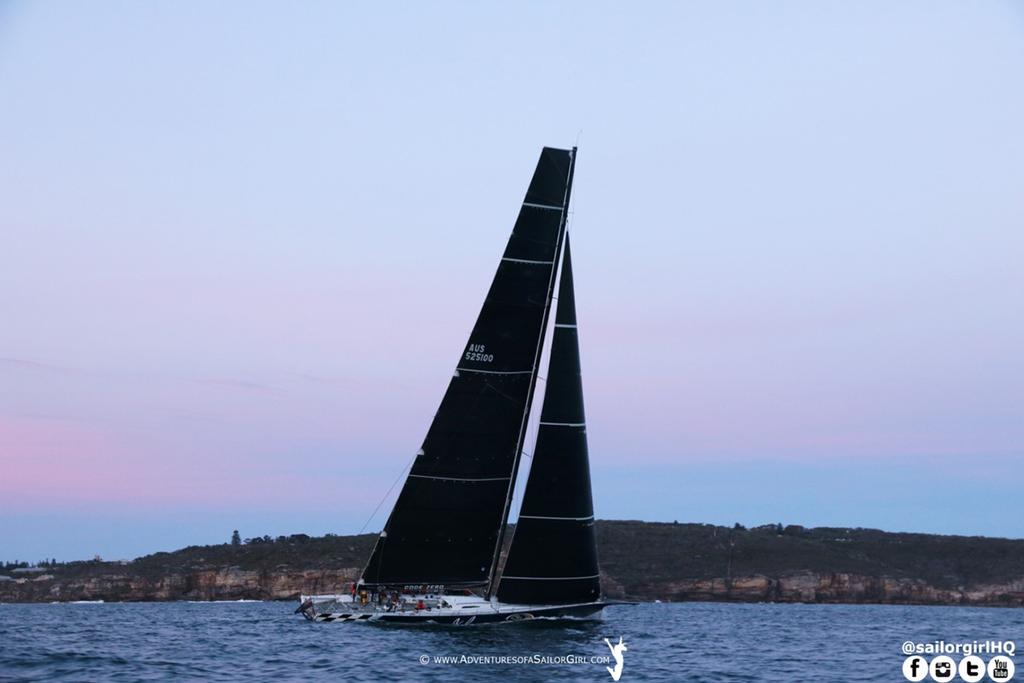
{"x":617,"y":651}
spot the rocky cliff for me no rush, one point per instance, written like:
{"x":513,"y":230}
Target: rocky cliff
{"x":224,"y":583}
{"x":642,"y":561}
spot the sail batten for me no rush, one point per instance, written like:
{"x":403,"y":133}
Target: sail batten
{"x":447,"y":521}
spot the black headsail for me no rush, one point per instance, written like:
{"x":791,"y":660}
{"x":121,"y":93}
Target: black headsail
{"x":553,"y":556}
{"x":448,"y":520}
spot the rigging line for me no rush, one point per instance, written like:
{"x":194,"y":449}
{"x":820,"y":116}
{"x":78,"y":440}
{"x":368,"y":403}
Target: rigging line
{"x":393,"y":484}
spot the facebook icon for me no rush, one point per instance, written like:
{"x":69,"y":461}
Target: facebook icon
{"x":915,"y":668}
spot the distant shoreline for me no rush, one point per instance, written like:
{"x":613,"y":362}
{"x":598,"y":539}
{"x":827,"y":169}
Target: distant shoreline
{"x":286,"y":601}
{"x":642,"y":561}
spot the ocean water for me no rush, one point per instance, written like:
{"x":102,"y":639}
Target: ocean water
{"x":664,"y":642}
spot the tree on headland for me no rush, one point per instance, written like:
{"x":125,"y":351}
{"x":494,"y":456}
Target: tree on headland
{"x":236,"y":539}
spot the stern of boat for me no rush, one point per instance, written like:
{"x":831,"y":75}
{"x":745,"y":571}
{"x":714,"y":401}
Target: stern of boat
{"x":319,"y":607}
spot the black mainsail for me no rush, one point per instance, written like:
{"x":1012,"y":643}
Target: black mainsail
{"x":553,"y":556}
{"x":447,"y":524}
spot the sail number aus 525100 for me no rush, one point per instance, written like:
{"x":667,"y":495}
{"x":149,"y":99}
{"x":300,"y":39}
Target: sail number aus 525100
{"x":478,"y":353}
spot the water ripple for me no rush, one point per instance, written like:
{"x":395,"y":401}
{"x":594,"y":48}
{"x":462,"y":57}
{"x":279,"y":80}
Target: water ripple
{"x":695,"y":642}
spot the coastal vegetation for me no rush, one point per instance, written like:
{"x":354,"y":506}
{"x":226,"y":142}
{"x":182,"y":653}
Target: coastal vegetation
{"x":639,"y":560}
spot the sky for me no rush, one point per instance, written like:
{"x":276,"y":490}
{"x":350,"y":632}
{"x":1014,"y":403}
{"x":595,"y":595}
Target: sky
{"x":242,"y":245}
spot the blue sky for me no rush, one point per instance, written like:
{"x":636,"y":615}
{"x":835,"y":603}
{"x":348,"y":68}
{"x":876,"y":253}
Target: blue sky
{"x":243,"y":244}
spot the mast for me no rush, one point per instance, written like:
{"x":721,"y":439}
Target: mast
{"x":446,"y":522}
{"x":520,"y":443}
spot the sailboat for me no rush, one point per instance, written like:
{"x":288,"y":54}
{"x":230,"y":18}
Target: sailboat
{"x":437,"y":558}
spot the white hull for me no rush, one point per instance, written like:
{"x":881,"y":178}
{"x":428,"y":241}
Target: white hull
{"x":458,"y":610}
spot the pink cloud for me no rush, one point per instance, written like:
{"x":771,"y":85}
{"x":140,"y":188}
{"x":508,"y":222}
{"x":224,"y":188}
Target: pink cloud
{"x":51,"y":461}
